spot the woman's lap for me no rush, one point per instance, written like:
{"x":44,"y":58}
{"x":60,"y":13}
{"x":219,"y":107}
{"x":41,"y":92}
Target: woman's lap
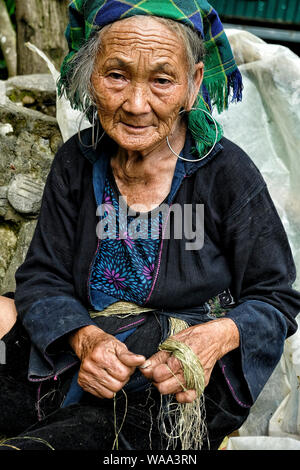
{"x":29,"y":408}
{"x":89,"y":427}
{"x":17,"y":395}
{"x":22,"y":402}
{"x":33,"y":409}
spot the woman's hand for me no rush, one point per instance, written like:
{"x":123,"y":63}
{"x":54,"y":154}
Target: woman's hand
{"x":209,"y":341}
{"x":106,"y":363}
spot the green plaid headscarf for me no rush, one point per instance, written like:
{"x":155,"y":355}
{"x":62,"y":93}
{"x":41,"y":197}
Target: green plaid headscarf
{"x":222,"y":78}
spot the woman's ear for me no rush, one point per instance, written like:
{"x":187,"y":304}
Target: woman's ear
{"x":197,"y":80}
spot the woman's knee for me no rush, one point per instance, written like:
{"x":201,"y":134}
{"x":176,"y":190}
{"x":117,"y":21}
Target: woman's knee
{"x":8,"y":315}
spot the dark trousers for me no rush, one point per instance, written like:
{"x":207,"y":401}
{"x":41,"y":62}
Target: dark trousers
{"x":32,"y":418}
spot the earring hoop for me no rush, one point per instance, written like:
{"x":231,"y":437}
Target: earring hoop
{"x":94,"y":142}
{"x":204,"y":156}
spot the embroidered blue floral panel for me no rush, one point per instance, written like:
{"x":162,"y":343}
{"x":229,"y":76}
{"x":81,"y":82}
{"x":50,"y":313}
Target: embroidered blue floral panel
{"x":126,"y":256}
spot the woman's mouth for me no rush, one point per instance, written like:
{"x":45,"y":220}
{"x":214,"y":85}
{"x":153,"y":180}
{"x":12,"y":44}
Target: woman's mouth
{"x":134,"y":127}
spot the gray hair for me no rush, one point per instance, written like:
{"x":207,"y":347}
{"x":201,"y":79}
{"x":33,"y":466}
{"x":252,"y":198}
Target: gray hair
{"x":83,"y":62}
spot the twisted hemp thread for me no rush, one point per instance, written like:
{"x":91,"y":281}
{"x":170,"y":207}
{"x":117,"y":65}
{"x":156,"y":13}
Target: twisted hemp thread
{"x":184,"y":422}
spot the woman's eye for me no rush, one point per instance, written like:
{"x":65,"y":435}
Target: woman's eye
{"x":116,"y":76}
{"x":162,"y":81}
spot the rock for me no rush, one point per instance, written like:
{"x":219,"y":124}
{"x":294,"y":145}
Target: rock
{"x":28,"y":100}
{"x":21,"y":118}
{"x":8,"y":242}
{"x":3,"y":200}
{"x":29,"y":138}
{"x":2,"y":92}
{"x":35,"y":91}
{"x":25,"y":194}
{"x":8,"y":283}
{"x":6,"y":129}
{"x":41,"y":83}
{"x":29,"y":149}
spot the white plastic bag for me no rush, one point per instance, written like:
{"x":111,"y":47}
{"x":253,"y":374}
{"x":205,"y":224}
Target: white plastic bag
{"x":286,"y":420}
{"x":262,"y":443}
{"x":267,"y":126}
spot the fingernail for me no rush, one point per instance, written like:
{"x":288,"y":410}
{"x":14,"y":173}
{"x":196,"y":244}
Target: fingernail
{"x":145,"y":365}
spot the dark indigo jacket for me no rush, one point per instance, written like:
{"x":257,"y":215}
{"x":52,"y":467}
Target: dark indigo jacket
{"x":245,"y":249}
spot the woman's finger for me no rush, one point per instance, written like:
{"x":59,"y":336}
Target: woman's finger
{"x":128,"y":358}
{"x":167,"y":370}
{"x":96,"y":388}
{"x":113,"y":360}
{"x":148,"y":367}
{"x":172,"y":385}
{"x":101,"y":382}
{"x":186,"y":397}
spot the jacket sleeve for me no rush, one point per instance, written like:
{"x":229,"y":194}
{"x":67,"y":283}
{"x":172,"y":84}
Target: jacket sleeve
{"x":45,"y":298}
{"x":263,"y":269}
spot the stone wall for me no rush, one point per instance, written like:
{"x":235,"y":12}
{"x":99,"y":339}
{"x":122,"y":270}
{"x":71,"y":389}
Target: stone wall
{"x":29,"y":139}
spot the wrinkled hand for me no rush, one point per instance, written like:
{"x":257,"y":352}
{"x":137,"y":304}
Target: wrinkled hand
{"x":106,"y":364}
{"x":209,"y":341}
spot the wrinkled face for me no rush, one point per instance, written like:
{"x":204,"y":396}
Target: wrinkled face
{"x":141,"y":83}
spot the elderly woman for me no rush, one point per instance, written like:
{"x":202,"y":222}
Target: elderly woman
{"x":98,"y":292}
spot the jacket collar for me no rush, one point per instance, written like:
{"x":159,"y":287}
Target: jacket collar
{"x":187,"y":152}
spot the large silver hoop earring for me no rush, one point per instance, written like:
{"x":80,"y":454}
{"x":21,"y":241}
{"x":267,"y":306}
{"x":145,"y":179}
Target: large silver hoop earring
{"x":94,"y":142}
{"x":204,"y":156}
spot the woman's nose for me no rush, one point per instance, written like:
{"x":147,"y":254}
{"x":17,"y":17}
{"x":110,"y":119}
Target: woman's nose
{"x":137,"y":101}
